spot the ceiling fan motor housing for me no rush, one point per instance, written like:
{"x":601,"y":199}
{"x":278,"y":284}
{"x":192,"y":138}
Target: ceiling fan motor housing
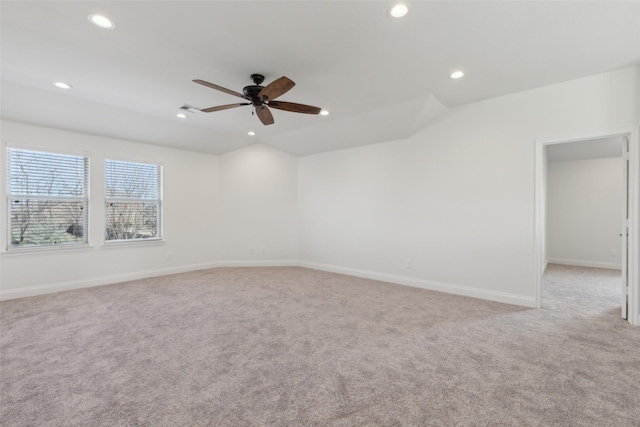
{"x":252,"y":91}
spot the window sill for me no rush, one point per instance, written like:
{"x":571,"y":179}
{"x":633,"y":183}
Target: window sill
{"x":127,"y":243}
{"x":46,"y":250}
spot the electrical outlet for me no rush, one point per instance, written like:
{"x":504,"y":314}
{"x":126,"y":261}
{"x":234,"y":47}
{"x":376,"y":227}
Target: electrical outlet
{"x":252,"y":251}
{"x":169,"y":256}
{"x":264,"y":250}
{"x":613,"y":252}
{"x":409,"y":263}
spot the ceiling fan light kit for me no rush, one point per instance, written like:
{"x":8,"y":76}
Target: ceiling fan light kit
{"x":261,"y":98}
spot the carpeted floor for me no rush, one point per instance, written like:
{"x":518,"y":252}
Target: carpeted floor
{"x":298,"y":347}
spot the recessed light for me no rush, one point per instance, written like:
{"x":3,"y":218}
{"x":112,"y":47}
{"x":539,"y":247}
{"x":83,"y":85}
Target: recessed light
{"x":102,"y":21}
{"x":324,"y":113}
{"x":398,"y":11}
{"x":62,"y":85}
{"x":251,"y":133}
{"x":182,"y":116}
{"x":457,"y":74}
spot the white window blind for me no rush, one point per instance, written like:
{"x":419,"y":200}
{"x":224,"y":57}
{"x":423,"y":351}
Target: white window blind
{"x":133,"y":199}
{"x":47,"y":198}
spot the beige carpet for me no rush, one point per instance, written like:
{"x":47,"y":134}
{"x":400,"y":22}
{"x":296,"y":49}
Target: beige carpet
{"x":297,"y":347}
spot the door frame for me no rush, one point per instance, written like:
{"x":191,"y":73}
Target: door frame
{"x":540,"y":164}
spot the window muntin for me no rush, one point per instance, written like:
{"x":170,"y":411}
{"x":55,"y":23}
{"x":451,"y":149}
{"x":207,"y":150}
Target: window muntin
{"x":47,"y":198}
{"x":133,"y":201}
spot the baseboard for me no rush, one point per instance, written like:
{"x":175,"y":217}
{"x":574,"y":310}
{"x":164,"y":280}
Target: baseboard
{"x":466,"y":291}
{"x":546,"y":264}
{"x":99,"y":281}
{"x":503,"y":297}
{"x":263,"y":263}
{"x":581,"y":263}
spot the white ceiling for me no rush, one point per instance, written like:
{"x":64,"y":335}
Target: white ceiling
{"x":380,"y":78}
{"x":587,"y":149}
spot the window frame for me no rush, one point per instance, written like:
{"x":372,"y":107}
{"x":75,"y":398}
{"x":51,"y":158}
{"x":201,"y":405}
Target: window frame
{"x":159,"y":238}
{"x":10,"y":249}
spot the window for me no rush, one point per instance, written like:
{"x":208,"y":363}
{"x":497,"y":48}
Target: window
{"x":133,"y":198}
{"x":47,"y":198}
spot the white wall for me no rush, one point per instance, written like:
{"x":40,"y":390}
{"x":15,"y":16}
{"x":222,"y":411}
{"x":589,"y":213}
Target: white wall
{"x":258,"y":207}
{"x":457,"y":198}
{"x":190,"y":201}
{"x":584,"y":202}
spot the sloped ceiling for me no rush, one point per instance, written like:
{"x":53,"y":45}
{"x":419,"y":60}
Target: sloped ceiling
{"x":380,"y":78}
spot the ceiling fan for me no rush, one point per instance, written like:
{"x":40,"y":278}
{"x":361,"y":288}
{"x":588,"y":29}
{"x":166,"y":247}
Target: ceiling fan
{"x":262,"y":97}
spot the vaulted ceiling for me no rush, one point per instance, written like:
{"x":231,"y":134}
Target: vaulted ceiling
{"x":380,"y":78}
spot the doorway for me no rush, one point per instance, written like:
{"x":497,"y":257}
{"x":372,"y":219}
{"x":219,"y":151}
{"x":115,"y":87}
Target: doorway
{"x":621,"y":239}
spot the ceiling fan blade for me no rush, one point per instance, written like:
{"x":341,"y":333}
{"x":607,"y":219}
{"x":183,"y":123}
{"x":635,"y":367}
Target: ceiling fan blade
{"x":276,"y":88}
{"x":221,"y":89}
{"x":223,"y":107}
{"x":296,"y":108}
{"x":264,"y":115}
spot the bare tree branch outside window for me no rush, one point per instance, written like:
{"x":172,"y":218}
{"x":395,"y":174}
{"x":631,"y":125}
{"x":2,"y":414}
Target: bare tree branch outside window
{"x":47,"y":198}
{"x":133,"y":200}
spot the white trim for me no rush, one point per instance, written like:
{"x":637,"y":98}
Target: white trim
{"x":48,"y":249}
{"x":99,"y":281}
{"x":634,"y":215}
{"x":8,"y":196}
{"x":582,"y":263}
{"x":265,"y":263}
{"x":132,"y":159}
{"x":46,"y":149}
{"x":466,"y":291}
{"x":539,"y":220}
{"x":133,"y":242}
{"x":634,"y":227}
